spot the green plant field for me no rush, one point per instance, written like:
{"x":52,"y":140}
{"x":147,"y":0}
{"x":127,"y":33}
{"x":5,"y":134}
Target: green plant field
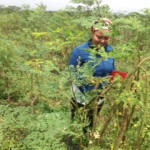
{"x":35,"y":80}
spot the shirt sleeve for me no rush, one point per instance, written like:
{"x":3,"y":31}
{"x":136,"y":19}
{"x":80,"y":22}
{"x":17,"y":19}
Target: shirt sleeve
{"x":114,"y":68}
{"x":74,"y":58}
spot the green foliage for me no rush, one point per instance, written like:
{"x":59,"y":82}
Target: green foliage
{"x":123,"y":98}
{"x":35,"y":47}
{"x":21,"y":130}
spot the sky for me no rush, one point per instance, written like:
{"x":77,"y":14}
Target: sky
{"x":115,"y":5}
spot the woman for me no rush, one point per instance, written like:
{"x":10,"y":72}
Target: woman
{"x":81,"y":56}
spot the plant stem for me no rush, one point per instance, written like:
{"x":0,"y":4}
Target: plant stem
{"x":145,"y":113}
{"x":113,"y":110}
{"x":123,"y":128}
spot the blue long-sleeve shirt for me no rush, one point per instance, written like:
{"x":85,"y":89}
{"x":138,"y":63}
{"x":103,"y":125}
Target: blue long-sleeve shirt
{"x":103,"y":69}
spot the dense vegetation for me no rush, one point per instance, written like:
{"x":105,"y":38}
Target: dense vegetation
{"x":35,"y":81}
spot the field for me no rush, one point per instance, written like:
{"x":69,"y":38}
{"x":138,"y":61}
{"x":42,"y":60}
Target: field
{"x":35,"y":80}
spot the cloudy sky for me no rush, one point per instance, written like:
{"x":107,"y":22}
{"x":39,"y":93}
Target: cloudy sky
{"x":115,"y":5}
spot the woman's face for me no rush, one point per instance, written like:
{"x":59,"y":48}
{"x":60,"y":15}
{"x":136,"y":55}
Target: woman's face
{"x":99,"y":38}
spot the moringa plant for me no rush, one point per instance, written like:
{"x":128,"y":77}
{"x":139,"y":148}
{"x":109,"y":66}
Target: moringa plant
{"x":126,"y":110}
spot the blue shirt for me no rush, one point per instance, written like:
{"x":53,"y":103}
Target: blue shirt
{"x":101,"y":70}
